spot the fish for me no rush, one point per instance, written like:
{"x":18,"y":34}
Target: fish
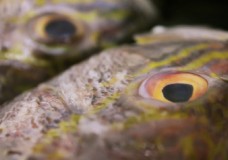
{"x":156,"y":99}
{"x":39,"y":39}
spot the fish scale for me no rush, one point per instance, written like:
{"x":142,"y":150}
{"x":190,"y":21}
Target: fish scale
{"x":109,"y":107}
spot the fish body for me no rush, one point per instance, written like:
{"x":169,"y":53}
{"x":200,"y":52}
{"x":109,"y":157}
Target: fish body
{"x":155,"y":100}
{"x":41,"y":38}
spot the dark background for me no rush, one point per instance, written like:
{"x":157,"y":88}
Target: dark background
{"x":212,"y":13}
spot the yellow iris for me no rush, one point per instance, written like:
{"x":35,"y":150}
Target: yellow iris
{"x":175,"y":87}
{"x":40,"y":27}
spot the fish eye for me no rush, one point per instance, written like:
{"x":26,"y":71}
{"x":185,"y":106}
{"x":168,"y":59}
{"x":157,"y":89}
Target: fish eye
{"x":173,"y":87}
{"x":55,"y":28}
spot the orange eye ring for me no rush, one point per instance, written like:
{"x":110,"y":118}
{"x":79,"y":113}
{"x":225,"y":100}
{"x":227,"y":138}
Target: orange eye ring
{"x":174,"y":87}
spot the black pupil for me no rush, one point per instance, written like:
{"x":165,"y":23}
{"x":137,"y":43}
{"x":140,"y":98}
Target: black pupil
{"x":60,"y":29}
{"x":178,"y":92}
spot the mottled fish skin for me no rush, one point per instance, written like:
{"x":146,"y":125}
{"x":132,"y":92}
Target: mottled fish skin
{"x":97,"y":109}
{"x":30,"y":53}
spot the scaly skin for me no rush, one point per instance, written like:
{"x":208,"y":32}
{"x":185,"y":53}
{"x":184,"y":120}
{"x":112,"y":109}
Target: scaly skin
{"x":98,"y":109}
{"x":30,"y":55}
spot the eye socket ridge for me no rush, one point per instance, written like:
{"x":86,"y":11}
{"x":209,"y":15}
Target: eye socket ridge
{"x":175,"y":87}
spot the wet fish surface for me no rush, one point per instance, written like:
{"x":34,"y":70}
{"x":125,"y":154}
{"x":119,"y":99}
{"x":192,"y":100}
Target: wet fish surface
{"x":38,"y":39}
{"x":155,"y":100}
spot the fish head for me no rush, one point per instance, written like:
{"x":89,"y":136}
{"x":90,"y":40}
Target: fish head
{"x":40,"y":38}
{"x":177,"y":102}
{"x":67,"y":28}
